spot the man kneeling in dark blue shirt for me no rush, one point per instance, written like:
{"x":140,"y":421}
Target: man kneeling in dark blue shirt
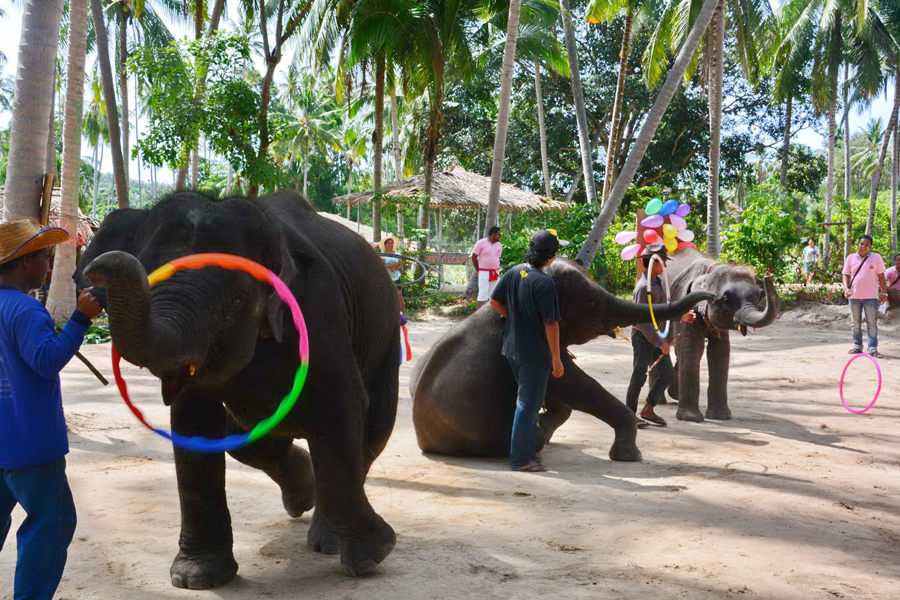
{"x":33,"y":441}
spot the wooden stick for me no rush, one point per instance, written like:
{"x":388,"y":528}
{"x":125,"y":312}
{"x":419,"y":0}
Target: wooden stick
{"x":658,"y":360}
{"x":93,"y":369}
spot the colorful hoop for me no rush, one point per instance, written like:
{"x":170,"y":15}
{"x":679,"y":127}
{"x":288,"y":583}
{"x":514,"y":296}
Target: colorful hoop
{"x":257,"y":271}
{"x":665,"y":332}
{"x":841,"y":387}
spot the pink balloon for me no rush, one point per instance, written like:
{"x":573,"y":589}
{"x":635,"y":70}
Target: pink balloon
{"x":623,"y":237}
{"x":683,"y":210}
{"x":679,"y":223}
{"x":653,"y":222}
{"x":650,"y":236}
{"x":629,"y":252}
{"x":683,"y":245}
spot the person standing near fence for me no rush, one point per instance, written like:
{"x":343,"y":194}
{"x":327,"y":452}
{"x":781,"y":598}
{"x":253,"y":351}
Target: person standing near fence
{"x":810,"y":260}
{"x":863,"y":275}
{"x":486,"y":260}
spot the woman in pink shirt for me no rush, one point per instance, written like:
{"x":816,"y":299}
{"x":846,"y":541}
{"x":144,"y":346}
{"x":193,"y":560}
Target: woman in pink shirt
{"x":892,"y":276}
{"x":863,"y":275}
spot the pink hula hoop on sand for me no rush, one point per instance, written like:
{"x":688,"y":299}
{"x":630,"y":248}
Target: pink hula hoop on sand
{"x":878,"y":391}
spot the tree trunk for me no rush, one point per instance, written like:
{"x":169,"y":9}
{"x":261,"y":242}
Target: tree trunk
{"x":50,"y":164}
{"x":31,"y":105}
{"x":584,"y":141}
{"x":786,"y":146}
{"x":545,"y":166}
{"x":97,"y":170}
{"x":895,"y":170}
{"x":395,"y":135}
{"x":645,"y":136}
{"x":215,"y":16}
{"x":432,"y":138}
{"x":829,"y":182}
{"x":61,"y":299}
{"x":847,"y":167}
{"x":509,"y":65}
{"x":109,"y":96}
{"x":305,"y":166}
{"x":123,"y":92}
{"x":715,"y":128}
{"x":612,"y":146}
{"x":378,"y":142}
{"x":228,"y":184}
{"x":195,"y":167}
{"x":876,"y":176}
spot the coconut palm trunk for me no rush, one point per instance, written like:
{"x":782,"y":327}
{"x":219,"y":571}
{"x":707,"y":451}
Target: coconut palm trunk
{"x":876,"y":176}
{"x":895,"y":169}
{"x":584,"y":141}
{"x":542,"y":129}
{"x":109,"y":97}
{"x":786,"y":146}
{"x":613,"y":144}
{"x":98,"y":165}
{"x":829,"y":183}
{"x":398,"y":160}
{"x":31,"y":105}
{"x":61,"y":299}
{"x":123,"y":93}
{"x":509,"y":65}
{"x":716,"y":60}
{"x":846,"y":117}
{"x":305,"y":166}
{"x":429,"y":153}
{"x":645,"y":136}
{"x":50,"y":164}
{"x":378,"y":142}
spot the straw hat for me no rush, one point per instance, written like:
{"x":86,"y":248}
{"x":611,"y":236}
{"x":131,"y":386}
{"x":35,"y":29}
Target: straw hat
{"x":390,"y":237}
{"x":18,"y":238}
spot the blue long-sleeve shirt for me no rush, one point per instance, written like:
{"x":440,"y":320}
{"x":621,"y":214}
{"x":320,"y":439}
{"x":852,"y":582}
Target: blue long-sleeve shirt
{"x":32,"y":426}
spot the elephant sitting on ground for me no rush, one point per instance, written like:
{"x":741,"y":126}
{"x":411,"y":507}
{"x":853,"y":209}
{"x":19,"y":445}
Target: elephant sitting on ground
{"x":737,"y":293}
{"x":226,"y":351}
{"x":464,"y":393}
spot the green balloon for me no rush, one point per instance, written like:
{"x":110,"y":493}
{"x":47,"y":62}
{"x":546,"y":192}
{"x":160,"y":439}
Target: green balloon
{"x":653,"y":206}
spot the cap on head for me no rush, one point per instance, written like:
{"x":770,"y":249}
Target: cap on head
{"x":657,"y":250}
{"x":546,"y":240}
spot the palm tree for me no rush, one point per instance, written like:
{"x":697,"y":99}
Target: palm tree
{"x":865,"y":156}
{"x":584,"y":136}
{"x":645,"y":136}
{"x":96,"y":128}
{"x":749,"y":20}
{"x":31,"y":108}
{"x":61,"y":299}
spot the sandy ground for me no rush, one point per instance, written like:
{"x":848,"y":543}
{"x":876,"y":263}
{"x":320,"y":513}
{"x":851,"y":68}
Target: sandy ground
{"x":796,"y":498}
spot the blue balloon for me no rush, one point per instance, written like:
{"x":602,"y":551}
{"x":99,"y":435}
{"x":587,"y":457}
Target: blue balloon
{"x":669,"y":207}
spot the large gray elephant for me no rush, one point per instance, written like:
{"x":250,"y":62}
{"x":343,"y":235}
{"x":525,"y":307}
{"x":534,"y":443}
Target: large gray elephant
{"x":225,"y":349}
{"x":464,"y":393}
{"x":738,"y":292}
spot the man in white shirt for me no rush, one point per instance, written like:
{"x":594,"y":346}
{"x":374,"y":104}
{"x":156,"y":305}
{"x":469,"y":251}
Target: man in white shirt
{"x":810,"y":260}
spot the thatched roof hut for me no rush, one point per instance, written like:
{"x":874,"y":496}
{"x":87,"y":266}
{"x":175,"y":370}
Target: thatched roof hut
{"x":456,"y":188}
{"x":364,"y":230}
{"x":84,"y":225}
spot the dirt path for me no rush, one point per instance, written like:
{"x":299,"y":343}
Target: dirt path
{"x":796,"y":498}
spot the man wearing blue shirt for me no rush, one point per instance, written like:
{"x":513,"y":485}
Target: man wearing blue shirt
{"x":33,"y":441}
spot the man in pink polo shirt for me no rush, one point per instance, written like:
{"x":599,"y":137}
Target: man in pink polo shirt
{"x":486,"y":260}
{"x":863,"y":277}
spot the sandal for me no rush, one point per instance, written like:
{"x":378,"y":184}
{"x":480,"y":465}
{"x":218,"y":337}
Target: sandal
{"x":532,"y":467}
{"x":642,"y":423}
{"x":656,"y":420}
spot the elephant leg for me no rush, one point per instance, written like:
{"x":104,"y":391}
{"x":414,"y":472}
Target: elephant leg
{"x":342,"y":509}
{"x":690,"y":351}
{"x":383,"y":390}
{"x":554,"y":415}
{"x":205,"y":559}
{"x":579,"y":391}
{"x":718,"y":357}
{"x":288,"y":465}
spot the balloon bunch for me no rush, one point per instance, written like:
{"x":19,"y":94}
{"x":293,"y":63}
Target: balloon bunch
{"x":664,"y":224}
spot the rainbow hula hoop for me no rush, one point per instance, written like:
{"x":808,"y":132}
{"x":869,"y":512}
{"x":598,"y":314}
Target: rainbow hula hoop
{"x":877,"y":392}
{"x":257,"y":271}
{"x":665,"y":332}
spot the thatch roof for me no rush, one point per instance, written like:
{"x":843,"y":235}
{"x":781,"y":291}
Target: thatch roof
{"x":364,"y":230}
{"x":85,"y":225}
{"x":456,"y":188}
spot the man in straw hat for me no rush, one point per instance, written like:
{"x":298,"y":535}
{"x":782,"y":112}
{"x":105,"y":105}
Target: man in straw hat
{"x":526,"y":297}
{"x":33,"y":441}
{"x":648,"y":345}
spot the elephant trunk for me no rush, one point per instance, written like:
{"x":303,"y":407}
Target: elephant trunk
{"x":629,"y":313}
{"x":750,"y":316}
{"x":140,"y":336}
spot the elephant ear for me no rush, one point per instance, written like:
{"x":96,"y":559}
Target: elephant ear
{"x":286,"y":269}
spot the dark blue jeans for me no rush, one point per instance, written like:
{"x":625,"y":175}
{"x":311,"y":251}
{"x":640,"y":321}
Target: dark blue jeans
{"x":867,"y":310}
{"x":43,"y":538}
{"x":532,"y":382}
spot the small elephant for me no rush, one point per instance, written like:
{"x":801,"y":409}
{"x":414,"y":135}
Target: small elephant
{"x":464,"y":393}
{"x":226,"y":353}
{"x":738,"y":293}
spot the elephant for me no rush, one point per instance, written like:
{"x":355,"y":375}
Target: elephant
{"x":737,"y":294}
{"x":464,"y":393}
{"x":226,"y":352}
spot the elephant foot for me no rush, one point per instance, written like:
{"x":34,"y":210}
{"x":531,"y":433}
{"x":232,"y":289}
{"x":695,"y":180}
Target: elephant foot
{"x":720,"y":413}
{"x":689,"y":414}
{"x":622,"y":451}
{"x":203,"y":571}
{"x":321,"y":538}
{"x":363,"y":555}
{"x":298,"y":484}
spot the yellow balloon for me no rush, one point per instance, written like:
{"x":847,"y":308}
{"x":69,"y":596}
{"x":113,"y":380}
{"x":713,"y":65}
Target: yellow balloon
{"x":671,"y":244}
{"x":669,"y":231}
